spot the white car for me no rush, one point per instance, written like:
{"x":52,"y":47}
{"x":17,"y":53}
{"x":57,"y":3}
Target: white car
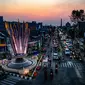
{"x":55,"y":56}
{"x":67,"y":52}
{"x":45,"y":62}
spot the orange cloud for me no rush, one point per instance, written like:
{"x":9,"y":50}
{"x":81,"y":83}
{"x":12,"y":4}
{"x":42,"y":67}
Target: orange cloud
{"x":37,"y":10}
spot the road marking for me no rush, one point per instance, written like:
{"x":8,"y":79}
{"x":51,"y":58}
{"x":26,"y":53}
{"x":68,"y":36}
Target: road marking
{"x":71,"y":64}
{"x":66,"y":65}
{"x":75,"y":65}
{"x":78,"y":73}
{"x":63,"y":65}
{"x":9,"y":81}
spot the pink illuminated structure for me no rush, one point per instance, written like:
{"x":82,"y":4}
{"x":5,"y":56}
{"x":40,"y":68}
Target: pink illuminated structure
{"x":19,"y":34}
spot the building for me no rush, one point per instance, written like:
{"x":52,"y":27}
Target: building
{"x":34,"y":25}
{"x":1,"y":24}
{"x":3,"y":35}
{"x":39,"y":26}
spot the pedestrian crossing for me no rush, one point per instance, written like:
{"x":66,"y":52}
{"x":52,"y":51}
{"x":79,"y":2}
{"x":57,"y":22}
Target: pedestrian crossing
{"x":71,"y":65}
{"x":10,"y":81}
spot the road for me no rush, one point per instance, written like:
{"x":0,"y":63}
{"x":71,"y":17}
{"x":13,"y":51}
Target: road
{"x":70,"y":72}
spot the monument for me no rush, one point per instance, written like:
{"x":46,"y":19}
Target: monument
{"x":19,"y":36}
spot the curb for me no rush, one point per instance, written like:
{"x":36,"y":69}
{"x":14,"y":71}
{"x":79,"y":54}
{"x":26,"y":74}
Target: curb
{"x":19,"y":76}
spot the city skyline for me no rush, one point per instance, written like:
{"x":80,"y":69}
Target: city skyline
{"x":46,"y":11}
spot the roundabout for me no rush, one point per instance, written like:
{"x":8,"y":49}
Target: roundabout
{"x":20,"y":67}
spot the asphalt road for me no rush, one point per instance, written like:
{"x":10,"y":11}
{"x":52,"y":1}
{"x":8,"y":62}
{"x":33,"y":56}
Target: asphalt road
{"x":70,"y":72}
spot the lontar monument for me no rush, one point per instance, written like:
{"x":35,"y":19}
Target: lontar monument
{"x":19,"y":36}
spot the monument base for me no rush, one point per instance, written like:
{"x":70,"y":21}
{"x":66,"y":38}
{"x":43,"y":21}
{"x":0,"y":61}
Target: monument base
{"x":20,"y":63}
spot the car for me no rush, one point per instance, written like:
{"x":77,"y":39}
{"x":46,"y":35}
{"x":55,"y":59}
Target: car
{"x":67,"y":52}
{"x":38,"y":68}
{"x":45,"y":61}
{"x":65,"y":46}
{"x":55,"y":56}
{"x":70,"y":47}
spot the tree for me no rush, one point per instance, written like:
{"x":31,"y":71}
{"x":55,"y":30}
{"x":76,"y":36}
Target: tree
{"x":71,"y":33}
{"x":77,"y":15}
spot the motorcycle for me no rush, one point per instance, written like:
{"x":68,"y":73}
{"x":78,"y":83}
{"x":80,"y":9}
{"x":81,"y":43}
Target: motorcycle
{"x":56,"y":68}
{"x":49,"y":62}
{"x":51,"y":74}
{"x":45,"y":74}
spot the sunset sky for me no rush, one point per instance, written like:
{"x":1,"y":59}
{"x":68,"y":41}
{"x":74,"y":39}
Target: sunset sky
{"x":46,"y":11}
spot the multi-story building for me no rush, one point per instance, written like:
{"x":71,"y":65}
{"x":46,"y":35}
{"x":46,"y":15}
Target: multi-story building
{"x":3,"y":47}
